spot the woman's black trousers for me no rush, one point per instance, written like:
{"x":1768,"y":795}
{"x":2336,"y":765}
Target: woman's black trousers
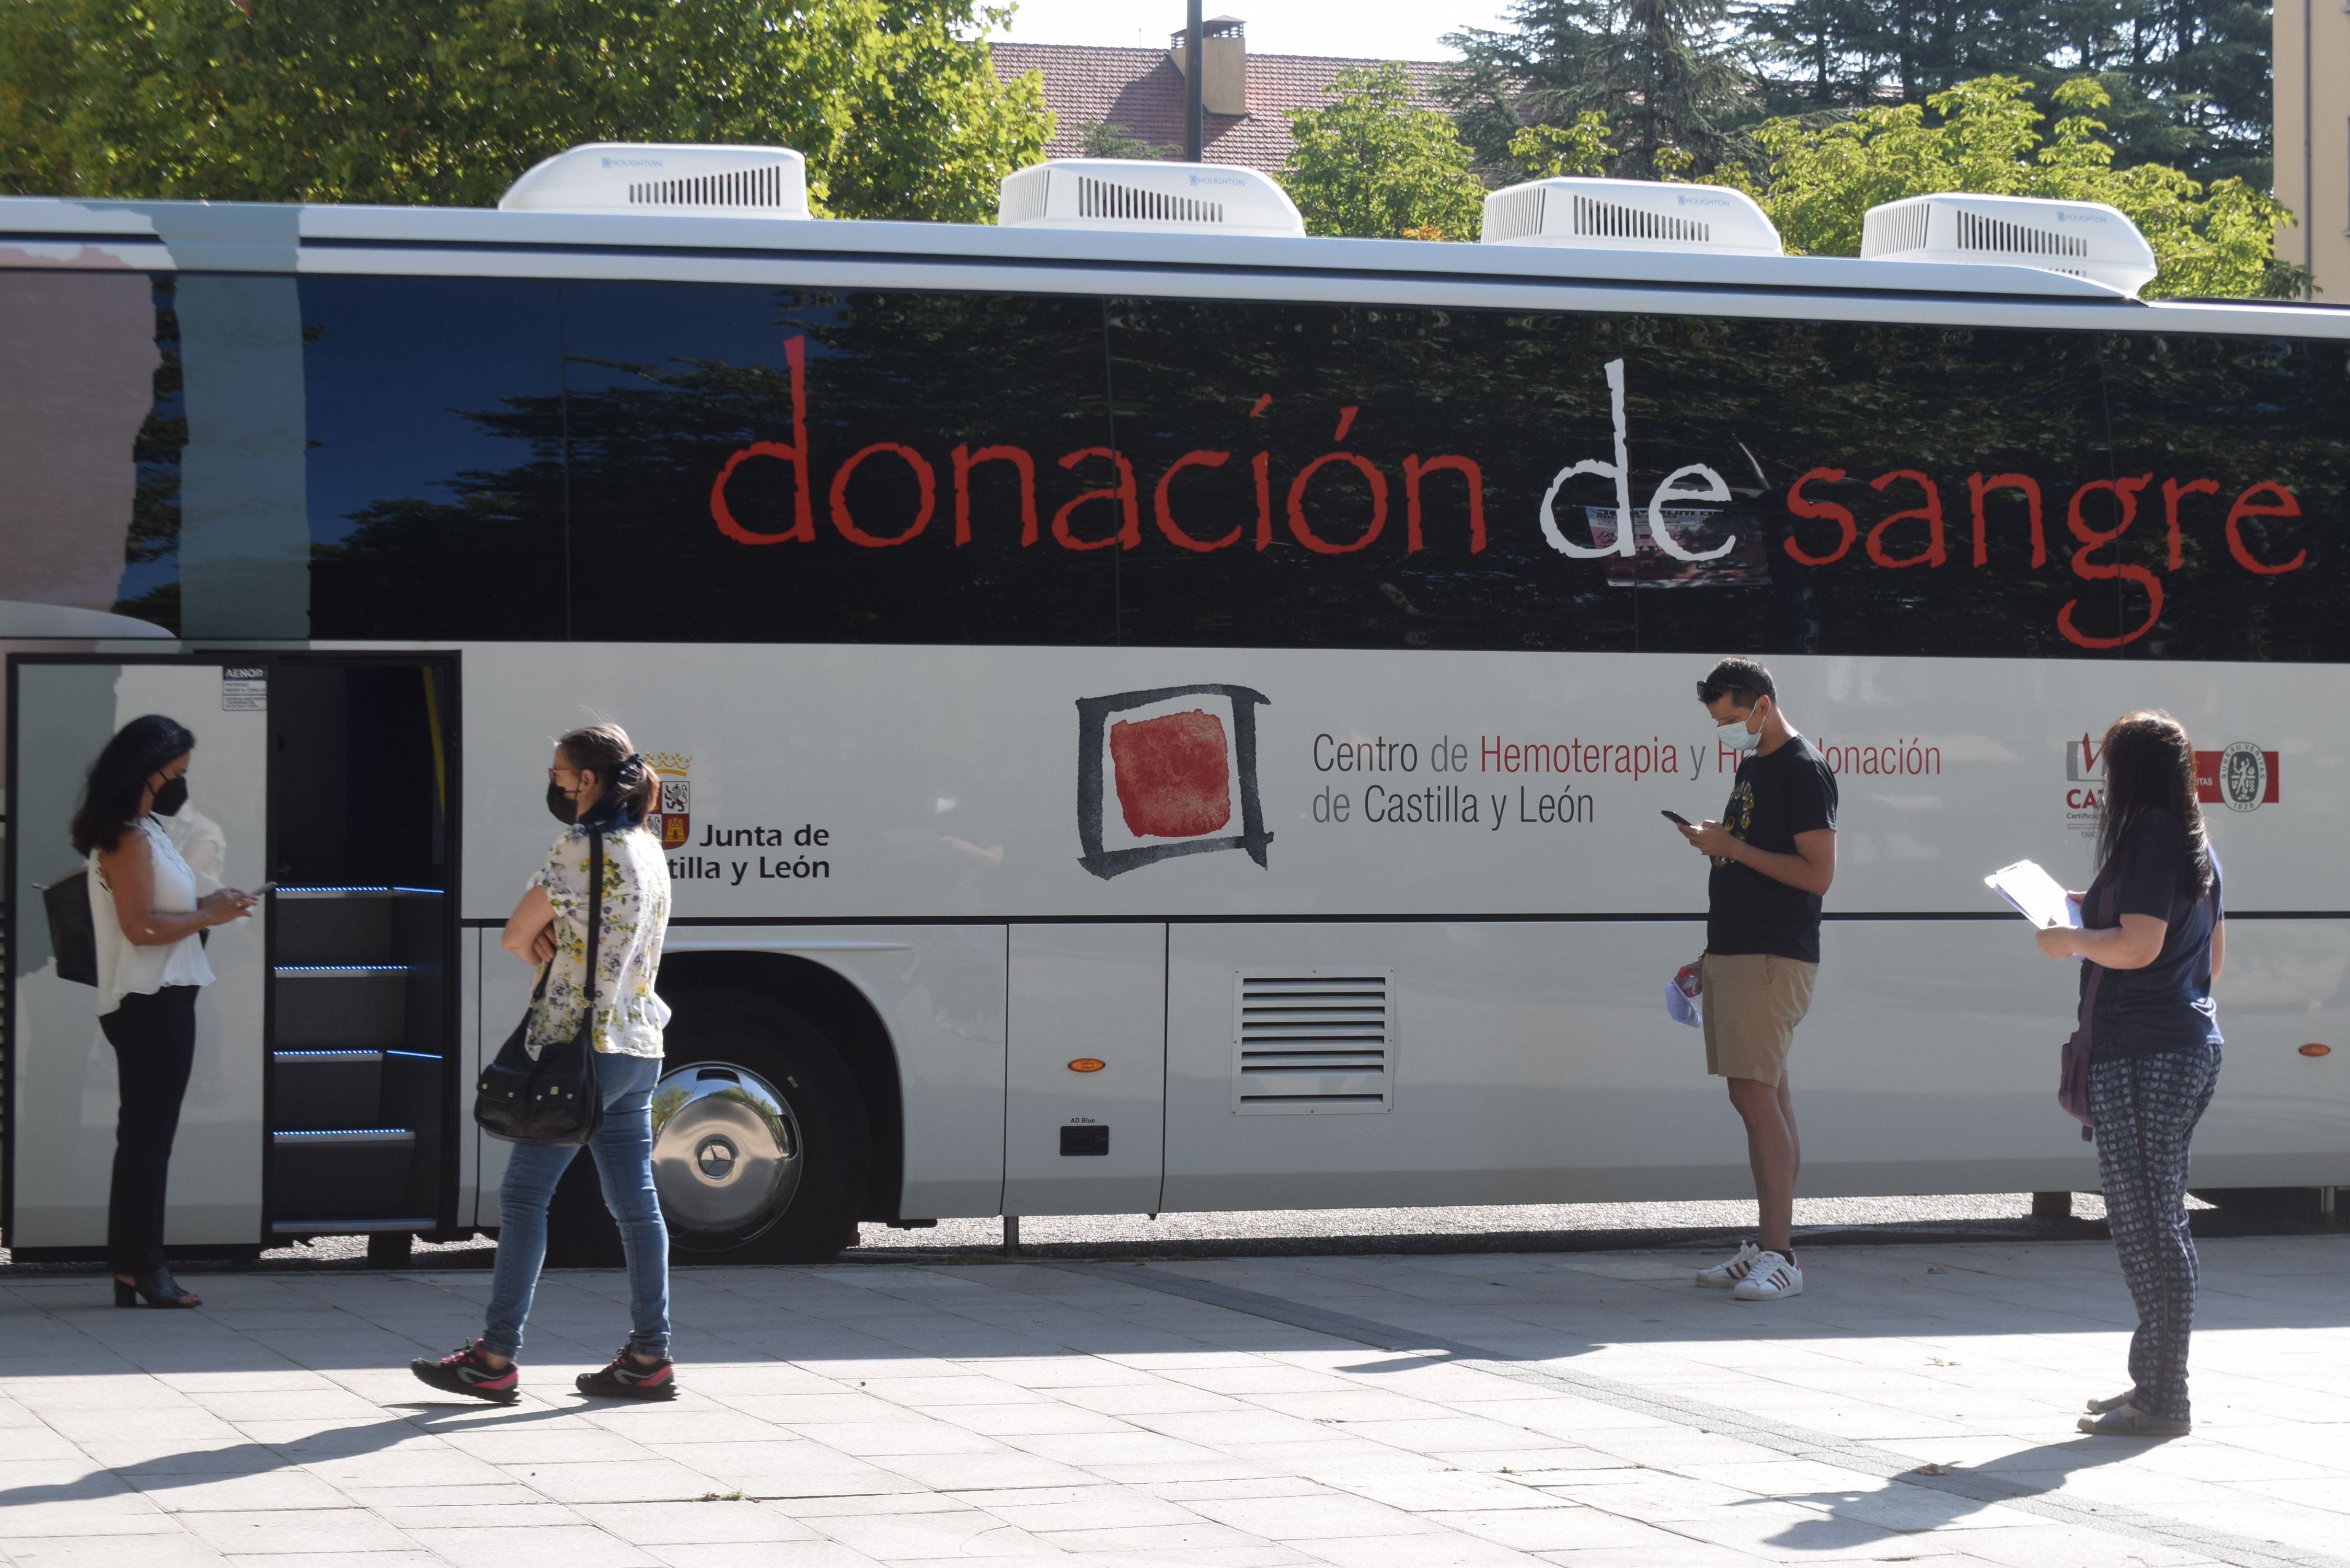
{"x":154,"y":1041}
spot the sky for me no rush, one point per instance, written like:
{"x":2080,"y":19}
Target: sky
{"x":1384,"y":29}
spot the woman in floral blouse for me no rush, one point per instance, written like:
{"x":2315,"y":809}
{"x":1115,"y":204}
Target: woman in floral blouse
{"x":597,"y":785}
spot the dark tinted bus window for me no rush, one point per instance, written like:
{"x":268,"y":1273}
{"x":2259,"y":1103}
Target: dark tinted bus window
{"x":1833,"y":488}
{"x":436,"y":473}
{"x":806,"y":467}
{"x":1825,"y":421}
{"x":2236,"y":453}
{"x":1328,"y":476}
{"x":803,"y":466}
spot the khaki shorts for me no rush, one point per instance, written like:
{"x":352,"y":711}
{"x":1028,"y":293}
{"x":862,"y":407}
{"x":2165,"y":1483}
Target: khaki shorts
{"x":1751,"y":1004}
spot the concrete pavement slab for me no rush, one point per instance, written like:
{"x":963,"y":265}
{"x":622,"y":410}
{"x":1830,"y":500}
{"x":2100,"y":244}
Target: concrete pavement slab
{"x":1587,"y":1409}
{"x":761,"y":1554}
{"x":110,"y":1551}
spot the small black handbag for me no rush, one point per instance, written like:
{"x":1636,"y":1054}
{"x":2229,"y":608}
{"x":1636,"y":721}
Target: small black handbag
{"x":73,"y":930}
{"x":558,"y":1097}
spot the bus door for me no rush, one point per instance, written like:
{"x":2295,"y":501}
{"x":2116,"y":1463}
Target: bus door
{"x":365,"y":1109}
{"x":62,"y":1087}
{"x":1085,"y":1068}
{"x":324,"y":1086}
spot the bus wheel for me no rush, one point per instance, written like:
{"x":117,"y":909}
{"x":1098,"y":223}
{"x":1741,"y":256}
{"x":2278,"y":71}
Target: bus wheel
{"x":760,"y":1143}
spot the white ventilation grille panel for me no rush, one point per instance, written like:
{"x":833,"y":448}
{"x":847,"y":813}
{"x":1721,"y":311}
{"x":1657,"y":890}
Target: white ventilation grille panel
{"x":1131,"y":204}
{"x":1903,"y":228}
{"x":1514,"y":213}
{"x":1023,"y":197}
{"x":1615,"y":221}
{"x":1977,"y":232}
{"x":761,"y":187}
{"x":1313,"y":1043}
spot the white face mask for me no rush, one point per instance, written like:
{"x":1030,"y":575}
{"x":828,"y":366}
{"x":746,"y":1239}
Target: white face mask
{"x":1737,"y":737}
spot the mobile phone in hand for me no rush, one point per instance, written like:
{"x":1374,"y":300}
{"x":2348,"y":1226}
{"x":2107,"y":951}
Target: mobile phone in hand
{"x":1674,"y":817}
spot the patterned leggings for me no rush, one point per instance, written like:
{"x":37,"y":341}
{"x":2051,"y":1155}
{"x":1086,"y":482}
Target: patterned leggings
{"x":2145,"y":1109}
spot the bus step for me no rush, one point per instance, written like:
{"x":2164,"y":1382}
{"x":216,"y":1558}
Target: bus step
{"x":342,"y":1170}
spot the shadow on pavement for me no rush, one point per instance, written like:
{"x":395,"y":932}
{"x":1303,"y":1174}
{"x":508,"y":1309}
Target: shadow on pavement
{"x":250,"y":1458}
{"x":1928,"y":1501}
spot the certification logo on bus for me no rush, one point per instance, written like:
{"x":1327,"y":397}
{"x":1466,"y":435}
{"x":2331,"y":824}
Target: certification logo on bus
{"x":2241,"y":777}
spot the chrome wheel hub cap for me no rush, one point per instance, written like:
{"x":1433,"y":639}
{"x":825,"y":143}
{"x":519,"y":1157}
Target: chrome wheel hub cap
{"x":726,"y":1155}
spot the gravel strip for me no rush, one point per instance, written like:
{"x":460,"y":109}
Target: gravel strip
{"x":1300,"y":1232}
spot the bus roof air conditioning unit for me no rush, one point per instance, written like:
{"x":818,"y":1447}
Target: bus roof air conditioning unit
{"x":1143,"y":195}
{"x":665,"y":177}
{"x":2087,"y":239}
{"x":1629,"y":215}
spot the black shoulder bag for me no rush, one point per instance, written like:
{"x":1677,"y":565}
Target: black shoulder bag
{"x":558,"y":1098}
{"x":73,"y":930}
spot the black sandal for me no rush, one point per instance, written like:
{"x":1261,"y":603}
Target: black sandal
{"x":158,"y":1288}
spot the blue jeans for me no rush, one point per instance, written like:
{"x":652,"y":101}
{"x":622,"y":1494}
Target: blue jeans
{"x":623,"y":1148}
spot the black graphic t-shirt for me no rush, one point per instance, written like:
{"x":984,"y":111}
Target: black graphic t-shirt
{"x":2167,"y":1005}
{"x":1775,"y":797}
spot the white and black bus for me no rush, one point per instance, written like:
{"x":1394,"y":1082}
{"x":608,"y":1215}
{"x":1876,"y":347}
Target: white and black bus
{"x":1156,"y":712}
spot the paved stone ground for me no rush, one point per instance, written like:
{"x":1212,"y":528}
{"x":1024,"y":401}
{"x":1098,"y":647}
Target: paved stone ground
{"x":1588,"y":1409}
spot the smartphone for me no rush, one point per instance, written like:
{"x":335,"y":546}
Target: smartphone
{"x":1675,"y":816}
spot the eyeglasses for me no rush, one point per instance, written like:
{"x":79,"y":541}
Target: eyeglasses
{"x":552,"y":772}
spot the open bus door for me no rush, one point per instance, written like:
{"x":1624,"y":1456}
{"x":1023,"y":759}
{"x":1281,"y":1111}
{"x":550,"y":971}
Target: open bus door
{"x":325,"y":1093}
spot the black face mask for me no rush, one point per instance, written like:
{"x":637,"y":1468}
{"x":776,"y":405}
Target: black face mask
{"x":171,"y":795}
{"x":560,"y":804}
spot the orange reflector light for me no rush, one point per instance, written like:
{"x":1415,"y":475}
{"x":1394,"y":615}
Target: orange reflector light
{"x":2314,"y":1049}
{"x":1095,"y":1063}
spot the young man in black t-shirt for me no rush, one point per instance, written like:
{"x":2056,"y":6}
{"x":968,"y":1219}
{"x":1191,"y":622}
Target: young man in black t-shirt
{"x":1772,"y":856}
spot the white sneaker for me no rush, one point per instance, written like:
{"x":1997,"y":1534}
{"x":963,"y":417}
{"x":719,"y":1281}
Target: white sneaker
{"x":1770,"y":1277}
{"x":1722,"y":1276}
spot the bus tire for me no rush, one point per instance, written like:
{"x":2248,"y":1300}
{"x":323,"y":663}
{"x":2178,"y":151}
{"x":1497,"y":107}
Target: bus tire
{"x":768,"y":1046}
{"x":772,"y":1045}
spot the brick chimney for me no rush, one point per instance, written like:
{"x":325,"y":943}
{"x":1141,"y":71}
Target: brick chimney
{"x":1223,"y":65}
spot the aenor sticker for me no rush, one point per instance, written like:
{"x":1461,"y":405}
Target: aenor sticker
{"x":244,"y":689}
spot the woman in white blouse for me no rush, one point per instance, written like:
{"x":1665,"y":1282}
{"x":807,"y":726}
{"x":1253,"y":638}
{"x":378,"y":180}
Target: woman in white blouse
{"x":146,"y":913}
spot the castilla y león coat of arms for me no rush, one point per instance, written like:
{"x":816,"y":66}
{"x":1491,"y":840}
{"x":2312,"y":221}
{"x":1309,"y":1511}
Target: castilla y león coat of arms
{"x":672,"y":817}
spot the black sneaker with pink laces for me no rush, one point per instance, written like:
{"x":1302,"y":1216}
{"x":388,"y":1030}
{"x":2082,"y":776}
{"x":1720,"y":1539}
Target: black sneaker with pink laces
{"x":467,"y":1372}
{"x":629,"y":1378}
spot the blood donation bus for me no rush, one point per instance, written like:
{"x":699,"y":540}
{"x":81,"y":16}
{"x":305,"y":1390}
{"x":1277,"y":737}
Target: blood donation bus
{"x":1155,"y":711}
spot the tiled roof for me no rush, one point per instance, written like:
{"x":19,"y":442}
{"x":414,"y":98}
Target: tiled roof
{"x":1142,"y":90}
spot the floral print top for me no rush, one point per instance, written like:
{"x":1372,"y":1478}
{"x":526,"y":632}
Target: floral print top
{"x":628,"y":1015}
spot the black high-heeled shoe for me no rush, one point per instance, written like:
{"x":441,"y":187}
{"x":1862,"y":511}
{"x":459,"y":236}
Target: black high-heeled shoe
{"x":155,"y":1290}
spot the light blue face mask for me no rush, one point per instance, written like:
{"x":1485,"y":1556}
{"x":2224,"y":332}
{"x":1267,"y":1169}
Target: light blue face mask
{"x":1737,"y":737}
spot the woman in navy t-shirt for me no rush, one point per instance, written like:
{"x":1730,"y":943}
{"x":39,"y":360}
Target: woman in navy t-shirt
{"x":2153,"y":942}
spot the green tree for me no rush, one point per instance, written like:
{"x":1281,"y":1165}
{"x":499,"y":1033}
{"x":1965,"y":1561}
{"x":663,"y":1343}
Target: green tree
{"x":2188,"y":79}
{"x":1547,"y":152}
{"x":1108,"y":139}
{"x":1662,"y":71}
{"x":1822,"y":180}
{"x":894,"y":102}
{"x":1372,"y":165}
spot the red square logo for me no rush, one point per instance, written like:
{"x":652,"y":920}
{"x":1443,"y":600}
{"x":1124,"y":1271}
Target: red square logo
{"x":1173,"y":775}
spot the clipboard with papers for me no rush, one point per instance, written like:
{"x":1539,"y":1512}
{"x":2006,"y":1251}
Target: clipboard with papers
{"x":2035,"y":895}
